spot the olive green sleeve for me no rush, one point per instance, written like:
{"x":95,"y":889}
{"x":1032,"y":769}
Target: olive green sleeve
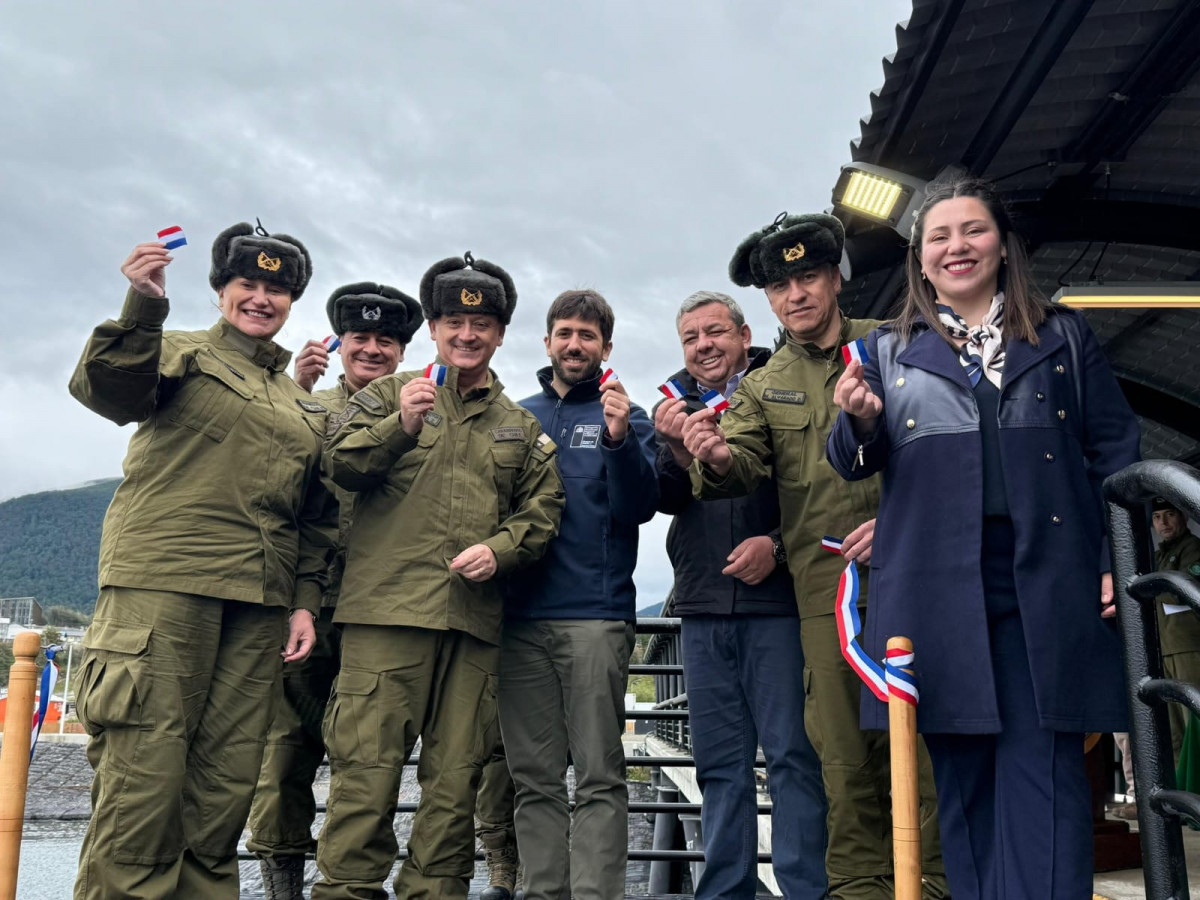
{"x":318,"y":543}
{"x":538,"y":501}
{"x":119,"y":373}
{"x":748,"y":437}
{"x":368,"y":441}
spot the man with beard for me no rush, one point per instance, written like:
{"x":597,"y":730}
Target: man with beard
{"x":569,"y":619}
{"x":374,"y":323}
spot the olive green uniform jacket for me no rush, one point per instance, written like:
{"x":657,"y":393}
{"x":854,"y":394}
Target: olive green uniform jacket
{"x":335,"y":400}
{"x":222,"y":494}
{"x":1179,"y":633}
{"x":479,"y":471}
{"x":777,"y":423}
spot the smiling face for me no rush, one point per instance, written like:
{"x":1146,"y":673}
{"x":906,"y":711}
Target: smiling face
{"x":255,"y":308}
{"x":576,"y":349}
{"x":961,"y":252}
{"x":467,"y":342}
{"x":367,"y":355}
{"x":806,"y":305}
{"x":714,"y":348}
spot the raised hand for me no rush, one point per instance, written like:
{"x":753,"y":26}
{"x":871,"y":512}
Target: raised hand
{"x":854,"y":395}
{"x":416,"y":398}
{"x":669,"y":419}
{"x":311,"y":363}
{"x":616,"y":409}
{"x":146,"y":267}
{"x":706,"y":442}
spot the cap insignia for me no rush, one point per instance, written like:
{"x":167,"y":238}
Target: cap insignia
{"x":791,"y":254}
{"x":270,"y":263}
{"x":372,"y":315}
{"x":471,"y":299}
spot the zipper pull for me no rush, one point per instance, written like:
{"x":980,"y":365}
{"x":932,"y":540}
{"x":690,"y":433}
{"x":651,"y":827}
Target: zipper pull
{"x":858,"y":459}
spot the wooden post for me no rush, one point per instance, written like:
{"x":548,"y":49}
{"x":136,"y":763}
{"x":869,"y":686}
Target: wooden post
{"x":14,"y":758}
{"x":906,"y":799}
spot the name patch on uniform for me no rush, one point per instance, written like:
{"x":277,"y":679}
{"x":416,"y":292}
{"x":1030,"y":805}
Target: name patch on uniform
{"x":367,"y":401}
{"x":508,"y":433}
{"x":433,"y":418}
{"x":775,"y":395}
{"x":311,"y":406}
{"x":586,"y":437}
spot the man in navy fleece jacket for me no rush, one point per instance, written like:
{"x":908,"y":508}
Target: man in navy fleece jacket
{"x":568,"y":629}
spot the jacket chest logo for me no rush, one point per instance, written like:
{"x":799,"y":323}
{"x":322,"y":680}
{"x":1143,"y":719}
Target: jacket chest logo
{"x":508,"y":433}
{"x":586,"y":437}
{"x":776,"y":395}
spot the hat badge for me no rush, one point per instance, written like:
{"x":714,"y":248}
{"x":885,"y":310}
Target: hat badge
{"x":791,"y":254}
{"x":270,"y":263}
{"x":372,"y":315}
{"x":471,"y":298}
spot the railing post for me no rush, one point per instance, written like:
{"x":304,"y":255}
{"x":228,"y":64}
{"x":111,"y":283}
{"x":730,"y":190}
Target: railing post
{"x":663,"y":873}
{"x":14,"y":758}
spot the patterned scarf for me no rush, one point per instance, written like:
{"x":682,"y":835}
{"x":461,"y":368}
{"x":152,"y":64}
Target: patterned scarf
{"x":983,"y":353}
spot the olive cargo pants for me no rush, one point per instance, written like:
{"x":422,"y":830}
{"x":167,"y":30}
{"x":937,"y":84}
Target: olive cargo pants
{"x":283,"y":811}
{"x":177,"y":692}
{"x":397,"y":683}
{"x":856,"y":769}
{"x":494,"y":804}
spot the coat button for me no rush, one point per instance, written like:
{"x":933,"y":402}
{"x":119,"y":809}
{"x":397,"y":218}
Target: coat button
{"x":1040,"y":396}
{"x":1060,"y":368}
{"x":911,"y":423}
{"x":900,"y":381}
{"x":1057,"y":520}
{"x":1049,"y":457}
{"x":1062,"y":413}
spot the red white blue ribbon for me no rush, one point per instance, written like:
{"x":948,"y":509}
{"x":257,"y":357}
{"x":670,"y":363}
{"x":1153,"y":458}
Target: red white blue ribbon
{"x":49,"y":679}
{"x":172,"y":237}
{"x":673,"y":389}
{"x":332,"y":342}
{"x":436,"y":373}
{"x":714,"y":400}
{"x":832,"y":544}
{"x":609,"y":375}
{"x":889,"y":678}
{"x":855,"y":351}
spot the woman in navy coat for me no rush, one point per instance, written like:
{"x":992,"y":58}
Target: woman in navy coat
{"x":994,"y":418}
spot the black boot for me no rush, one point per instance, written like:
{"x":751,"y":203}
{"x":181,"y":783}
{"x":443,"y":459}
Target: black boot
{"x":282,"y":877}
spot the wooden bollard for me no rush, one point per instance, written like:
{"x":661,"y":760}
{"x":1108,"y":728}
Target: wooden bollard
{"x":906,"y":798}
{"x":14,"y":758}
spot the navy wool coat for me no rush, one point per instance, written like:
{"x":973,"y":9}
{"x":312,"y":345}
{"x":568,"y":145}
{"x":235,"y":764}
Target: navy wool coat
{"x":1064,"y":426}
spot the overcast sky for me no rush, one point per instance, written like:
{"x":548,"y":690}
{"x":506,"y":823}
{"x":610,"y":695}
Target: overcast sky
{"x":622,"y":146}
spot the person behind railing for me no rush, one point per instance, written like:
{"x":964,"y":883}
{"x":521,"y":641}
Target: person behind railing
{"x":220,"y":525}
{"x":994,"y":418}
{"x":373,"y":323}
{"x":776,"y":426}
{"x":456,"y":488}
{"x":742,"y":655}
{"x":569,"y":619}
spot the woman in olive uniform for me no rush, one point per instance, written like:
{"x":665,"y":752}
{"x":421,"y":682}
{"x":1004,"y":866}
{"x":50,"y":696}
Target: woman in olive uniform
{"x":212,"y":560}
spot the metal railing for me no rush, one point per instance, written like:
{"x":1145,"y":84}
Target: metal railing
{"x":1161,"y":806}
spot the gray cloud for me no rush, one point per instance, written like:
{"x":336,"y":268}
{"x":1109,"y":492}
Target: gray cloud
{"x":623,"y":146}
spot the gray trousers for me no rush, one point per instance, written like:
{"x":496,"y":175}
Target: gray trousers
{"x":562,"y":691}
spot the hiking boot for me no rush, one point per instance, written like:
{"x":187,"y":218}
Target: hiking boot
{"x":519,"y":888}
{"x":282,"y":877}
{"x":501,"y":859}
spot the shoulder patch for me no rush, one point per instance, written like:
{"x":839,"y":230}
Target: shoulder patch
{"x":545,"y":445}
{"x":311,"y":406}
{"x":508,"y":433}
{"x":776,"y":395}
{"x":337,"y":420}
{"x":735,"y":401}
{"x":1194,"y":569}
{"x":433,"y":418}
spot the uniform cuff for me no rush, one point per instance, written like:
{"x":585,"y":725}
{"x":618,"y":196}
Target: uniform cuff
{"x":506,"y":554}
{"x":148,"y":312}
{"x":307,"y":596}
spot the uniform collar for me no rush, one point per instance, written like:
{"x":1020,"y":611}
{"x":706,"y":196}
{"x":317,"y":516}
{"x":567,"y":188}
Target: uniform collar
{"x":581,"y":392}
{"x":489,"y":389}
{"x":267,"y":354}
{"x":810,"y":350}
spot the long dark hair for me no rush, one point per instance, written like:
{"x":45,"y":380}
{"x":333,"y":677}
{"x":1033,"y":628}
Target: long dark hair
{"x":1025,"y":307}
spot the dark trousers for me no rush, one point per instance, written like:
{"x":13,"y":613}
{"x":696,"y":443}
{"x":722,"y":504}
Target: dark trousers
{"x":1014,"y":807}
{"x":745,"y":686}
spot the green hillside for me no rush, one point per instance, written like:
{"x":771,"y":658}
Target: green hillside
{"x":50,"y":545}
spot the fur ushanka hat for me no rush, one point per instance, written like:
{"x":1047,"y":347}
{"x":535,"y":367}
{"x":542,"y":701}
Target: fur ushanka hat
{"x":244,"y":251}
{"x":786,"y":247}
{"x":463,"y":284}
{"x":366,"y":306}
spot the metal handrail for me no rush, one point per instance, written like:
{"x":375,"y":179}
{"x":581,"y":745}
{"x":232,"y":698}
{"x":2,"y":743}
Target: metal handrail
{"x":1137,"y":587}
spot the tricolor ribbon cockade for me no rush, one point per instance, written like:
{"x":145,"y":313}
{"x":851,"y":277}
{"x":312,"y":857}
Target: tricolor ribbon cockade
{"x":436,"y":373}
{"x":172,"y":237}
{"x":672,"y":389}
{"x":714,"y":400}
{"x":889,"y":678}
{"x":49,"y":679}
{"x":332,"y":342}
{"x":855,"y":351}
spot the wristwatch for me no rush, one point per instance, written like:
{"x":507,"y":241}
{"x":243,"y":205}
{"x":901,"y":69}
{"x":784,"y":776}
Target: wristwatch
{"x":779,"y":552}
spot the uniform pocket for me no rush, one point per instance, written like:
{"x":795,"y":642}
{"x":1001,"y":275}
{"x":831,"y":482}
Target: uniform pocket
{"x":789,"y":434}
{"x":212,"y":400}
{"x":507,"y":460}
{"x":115,"y":679}
{"x":352,"y":721}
